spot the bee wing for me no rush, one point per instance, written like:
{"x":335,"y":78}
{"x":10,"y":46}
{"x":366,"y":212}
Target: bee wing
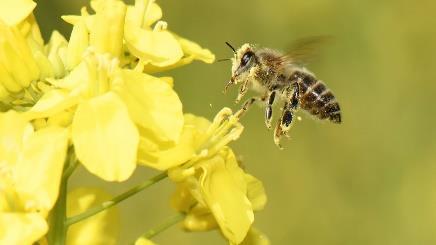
{"x":305,"y":50}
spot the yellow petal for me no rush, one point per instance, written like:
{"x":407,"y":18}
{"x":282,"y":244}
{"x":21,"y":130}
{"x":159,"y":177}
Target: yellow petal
{"x":191,"y":48}
{"x":77,"y":79}
{"x":225,"y":195}
{"x":163,"y":159}
{"x":144,"y":241}
{"x":144,"y":12}
{"x":51,"y":103}
{"x":13,"y":12}
{"x":152,"y":104}
{"x":192,"y":51}
{"x":212,"y":139}
{"x":199,"y":219}
{"x":182,"y":200}
{"x":39,"y":170}
{"x":106,"y":33}
{"x":255,"y":192}
{"x":255,"y":237}
{"x":105,"y":138}
{"x":153,"y":14}
{"x":102,"y":228}
{"x":149,"y":68}
{"x":57,"y":49}
{"x":16,"y":57}
{"x":77,"y":45}
{"x":158,"y":47}
{"x":21,"y":228}
{"x":12,"y":134}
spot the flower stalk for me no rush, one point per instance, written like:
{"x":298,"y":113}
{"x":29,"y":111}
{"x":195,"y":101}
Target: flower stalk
{"x":58,"y":231}
{"x":165,"y":225}
{"x":105,"y":205}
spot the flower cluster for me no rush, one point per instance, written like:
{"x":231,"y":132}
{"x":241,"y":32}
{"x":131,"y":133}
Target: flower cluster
{"x":96,"y":100}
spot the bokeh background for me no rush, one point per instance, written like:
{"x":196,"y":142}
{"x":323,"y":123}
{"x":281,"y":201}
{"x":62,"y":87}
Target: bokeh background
{"x":371,"y":180}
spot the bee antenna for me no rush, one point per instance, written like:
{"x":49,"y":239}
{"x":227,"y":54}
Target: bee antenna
{"x":228,"y":44}
{"x":223,"y":60}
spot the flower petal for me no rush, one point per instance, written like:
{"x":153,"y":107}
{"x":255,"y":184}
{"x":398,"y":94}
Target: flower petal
{"x":191,"y":48}
{"x":39,"y":170}
{"x":153,"y":14}
{"x":12,"y":133}
{"x":51,"y":103}
{"x":255,"y":237}
{"x":105,"y":138}
{"x":182,"y":200}
{"x":255,"y":192}
{"x":152,"y":104}
{"x":14,"y":11}
{"x":225,"y":195}
{"x":163,"y":159}
{"x":102,"y":228}
{"x":199,"y":219}
{"x":158,"y":47}
{"x":106,"y":33}
{"x":79,"y":41}
{"x":21,"y":228}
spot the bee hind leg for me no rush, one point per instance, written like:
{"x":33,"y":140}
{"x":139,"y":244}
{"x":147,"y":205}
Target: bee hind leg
{"x":278,"y":132}
{"x":289,"y":109}
{"x":285,"y":121}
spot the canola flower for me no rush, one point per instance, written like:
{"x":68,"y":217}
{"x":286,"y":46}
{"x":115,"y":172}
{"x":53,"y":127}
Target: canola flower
{"x":97,"y":101}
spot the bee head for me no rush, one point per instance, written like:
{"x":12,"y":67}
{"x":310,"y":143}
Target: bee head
{"x":242,"y":62}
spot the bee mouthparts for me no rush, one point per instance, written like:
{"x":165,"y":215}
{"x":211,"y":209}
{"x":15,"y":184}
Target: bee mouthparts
{"x":232,"y":81}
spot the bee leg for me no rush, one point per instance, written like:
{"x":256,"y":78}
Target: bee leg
{"x":268,"y":110}
{"x":248,"y":104}
{"x":289,"y":109}
{"x":242,"y":91}
{"x":278,"y":133}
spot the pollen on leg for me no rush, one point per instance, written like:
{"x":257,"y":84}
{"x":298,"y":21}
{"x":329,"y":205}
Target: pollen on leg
{"x":277,"y":134}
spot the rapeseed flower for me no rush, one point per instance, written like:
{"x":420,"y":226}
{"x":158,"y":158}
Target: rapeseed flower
{"x":220,"y":194}
{"x":96,"y":100}
{"x":31,"y":166}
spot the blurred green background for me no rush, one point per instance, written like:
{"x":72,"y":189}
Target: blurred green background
{"x":371,"y":180}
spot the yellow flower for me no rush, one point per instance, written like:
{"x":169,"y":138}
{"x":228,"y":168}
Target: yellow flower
{"x":199,"y":139}
{"x":17,"y":64}
{"x":98,"y":96}
{"x":157,"y":48}
{"x":102,"y":228}
{"x":96,"y":134}
{"x":220,"y":193}
{"x":31,"y":166}
{"x":12,"y":12}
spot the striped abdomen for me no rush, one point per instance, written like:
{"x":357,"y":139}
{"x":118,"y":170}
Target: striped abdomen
{"x":316,"y":98}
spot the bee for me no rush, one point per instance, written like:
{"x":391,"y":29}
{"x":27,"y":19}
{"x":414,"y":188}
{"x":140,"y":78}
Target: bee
{"x":282,"y":76}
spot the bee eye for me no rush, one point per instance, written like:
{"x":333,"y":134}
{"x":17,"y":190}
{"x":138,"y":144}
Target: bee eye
{"x":246,"y":58}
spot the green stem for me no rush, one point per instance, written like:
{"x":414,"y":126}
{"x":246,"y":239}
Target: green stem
{"x":165,"y":225}
{"x":105,"y":205}
{"x":73,"y":163}
{"x":58,"y":229}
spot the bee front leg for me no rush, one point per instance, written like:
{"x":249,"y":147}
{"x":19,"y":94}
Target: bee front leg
{"x":268,"y":111}
{"x":242,"y":91}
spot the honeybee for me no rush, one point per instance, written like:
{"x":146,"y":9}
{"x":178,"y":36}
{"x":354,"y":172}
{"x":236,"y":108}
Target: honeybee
{"x":283,"y":76}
